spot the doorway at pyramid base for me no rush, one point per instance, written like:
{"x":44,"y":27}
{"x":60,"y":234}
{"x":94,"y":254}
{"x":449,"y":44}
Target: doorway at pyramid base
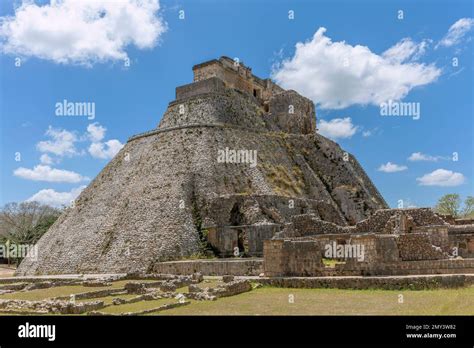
{"x":243,"y":240}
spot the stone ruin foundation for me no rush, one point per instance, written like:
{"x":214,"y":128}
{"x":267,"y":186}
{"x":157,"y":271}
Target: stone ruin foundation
{"x":391,"y":242}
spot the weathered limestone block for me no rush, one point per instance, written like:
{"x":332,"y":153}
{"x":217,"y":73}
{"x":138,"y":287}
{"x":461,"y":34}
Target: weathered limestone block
{"x":418,"y":247}
{"x":227,"y":278}
{"x":168,"y":287}
{"x":287,"y":257}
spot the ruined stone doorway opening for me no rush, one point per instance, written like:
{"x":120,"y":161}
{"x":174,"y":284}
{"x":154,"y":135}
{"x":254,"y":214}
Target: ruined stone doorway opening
{"x":242,"y":242}
{"x":236,"y":217}
{"x":256,"y":93}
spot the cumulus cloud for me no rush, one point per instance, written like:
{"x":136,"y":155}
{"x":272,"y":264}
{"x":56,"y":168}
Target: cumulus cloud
{"x":81,"y":32}
{"x":96,"y":132}
{"x":98,"y":148}
{"x":46,"y":173}
{"x":336,"y":75}
{"x":366,"y":133}
{"x":62,"y":143}
{"x":105,"y":150}
{"x":418,"y":156}
{"x":441,"y":177}
{"x":46,"y":159}
{"x":404,"y":50}
{"x":390,"y":167}
{"x":456,"y":32}
{"x":337,"y":128}
{"x":56,"y":199}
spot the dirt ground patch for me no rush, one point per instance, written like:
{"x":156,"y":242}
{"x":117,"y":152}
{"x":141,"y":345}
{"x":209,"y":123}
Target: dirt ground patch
{"x":6,"y":271}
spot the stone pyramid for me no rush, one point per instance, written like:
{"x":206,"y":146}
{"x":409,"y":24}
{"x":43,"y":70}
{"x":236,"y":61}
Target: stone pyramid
{"x":232,"y":149}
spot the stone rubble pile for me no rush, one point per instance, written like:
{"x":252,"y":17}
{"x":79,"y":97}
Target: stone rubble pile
{"x":231,"y":288}
{"x":50,"y":306}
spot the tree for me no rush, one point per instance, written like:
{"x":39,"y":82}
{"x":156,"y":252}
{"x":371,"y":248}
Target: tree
{"x":26,"y":222}
{"x":468,"y":210}
{"x":450,"y":204}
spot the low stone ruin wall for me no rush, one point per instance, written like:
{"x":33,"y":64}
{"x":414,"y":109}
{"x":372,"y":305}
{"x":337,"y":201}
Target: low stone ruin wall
{"x":386,"y":283}
{"x":377,"y":222}
{"x":308,"y":225}
{"x":438,"y":235}
{"x":285,"y":257}
{"x":211,"y":85}
{"x":461,"y":238}
{"x":381,"y":222}
{"x":418,"y":246}
{"x":48,"y":306}
{"x":456,"y":266}
{"x":376,"y":247}
{"x":214,"y":267}
{"x":365,"y":254}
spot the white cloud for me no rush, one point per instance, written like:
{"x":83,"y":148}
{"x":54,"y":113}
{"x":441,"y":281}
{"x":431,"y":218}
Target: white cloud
{"x":390,"y":167}
{"x":337,"y":128}
{"x":46,"y":173}
{"x":81,"y":32}
{"x":105,"y":150}
{"x":61,"y":143}
{"x":456,"y":32}
{"x":418,"y":156}
{"x":408,"y":203}
{"x":336,"y":75}
{"x":369,"y":132}
{"x":98,"y":148}
{"x":404,"y":50}
{"x":96,"y":132}
{"x":441,"y":177}
{"x":46,"y":159}
{"x":56,"y":199}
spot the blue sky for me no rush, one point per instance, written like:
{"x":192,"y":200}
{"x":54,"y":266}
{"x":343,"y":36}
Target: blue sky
{"x":52,"y":158}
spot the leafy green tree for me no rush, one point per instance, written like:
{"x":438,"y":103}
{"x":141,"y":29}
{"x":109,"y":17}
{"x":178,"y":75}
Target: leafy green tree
{"x":468,"y":210}
{"x":26,"y":222}
{"x":450,"y":204}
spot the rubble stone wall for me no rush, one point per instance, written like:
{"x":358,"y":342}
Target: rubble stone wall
{"x":211,"y":85}
{"x":382,"y":221}
{"x":417,"y":246}
{"x":459,"y":266}
{"x":386,"y":283}
{"x":370,"y":253}
{"x":215,"y":267}
{"x":283,"y":257}
{"x":292,"y":113}
{"x":461,"y":239}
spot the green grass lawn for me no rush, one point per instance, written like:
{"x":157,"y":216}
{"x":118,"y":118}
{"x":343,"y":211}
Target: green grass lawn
{"x":275,"y":301}
{"x":137,"y":306}
{"x":108,"y":299}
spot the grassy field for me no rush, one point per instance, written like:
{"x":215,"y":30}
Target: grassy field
{"x":137,"y":306}
{"x":284,"y":301}
{"x":275,"y":301}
